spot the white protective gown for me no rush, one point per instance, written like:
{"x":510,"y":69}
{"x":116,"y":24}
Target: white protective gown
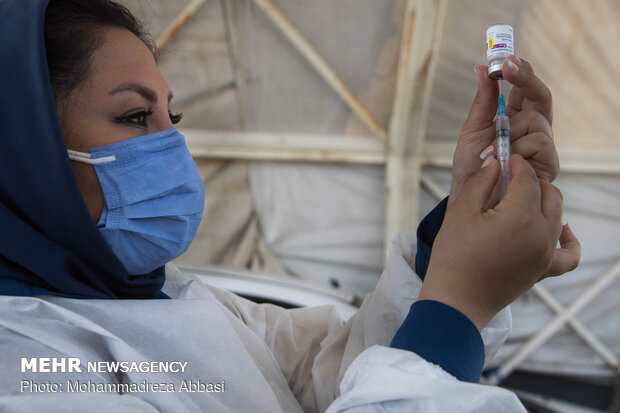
{"x":263,"y":357}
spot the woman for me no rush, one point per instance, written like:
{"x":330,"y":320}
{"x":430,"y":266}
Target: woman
{"x":98,"y":192}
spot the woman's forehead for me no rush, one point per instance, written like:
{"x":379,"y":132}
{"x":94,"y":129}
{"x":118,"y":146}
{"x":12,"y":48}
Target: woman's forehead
{"x":122,"y":58}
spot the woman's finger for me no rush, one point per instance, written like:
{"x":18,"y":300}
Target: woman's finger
{"x":566,"y":258}
{"x":529,"y":121}
{"x":524,"y":188}
{"x":529,"y":92}
{"x":484,"y":108}
{"x":538,"y":149}
{"x":551,"y":205}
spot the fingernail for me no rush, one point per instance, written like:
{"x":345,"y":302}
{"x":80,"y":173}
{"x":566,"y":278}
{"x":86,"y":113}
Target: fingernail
{"x":487,"y":162}
{"x":476,"y":70}
{"x":518,"y":59}
{"x":487,"y":151}
{"x":512,"y":66}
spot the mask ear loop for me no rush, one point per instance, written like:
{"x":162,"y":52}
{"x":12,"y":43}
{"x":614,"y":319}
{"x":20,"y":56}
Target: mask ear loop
{"x":87,"y":158}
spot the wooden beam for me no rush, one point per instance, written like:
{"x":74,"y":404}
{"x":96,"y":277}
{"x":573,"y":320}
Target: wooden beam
{"x":285,"y":147}
{"x":438,"y":154}
{"x":320,"y":65}
{"x":230,"y":17}
{"x":572,"y":160}
{"x":421,"y":35}
{"x":362,"y":150}
{"x":399,"y":123}
{"x":173,"y":28}
{"x":588,"y":160}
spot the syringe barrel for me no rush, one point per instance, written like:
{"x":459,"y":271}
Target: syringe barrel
{"x":502,"y":125}
{"x":502,"y":122}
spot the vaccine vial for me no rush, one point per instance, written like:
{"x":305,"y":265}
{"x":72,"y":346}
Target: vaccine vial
{"x":500,"y":45}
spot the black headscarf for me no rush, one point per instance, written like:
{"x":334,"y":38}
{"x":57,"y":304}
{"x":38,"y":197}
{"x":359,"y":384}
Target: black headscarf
{"x":48,"y":241}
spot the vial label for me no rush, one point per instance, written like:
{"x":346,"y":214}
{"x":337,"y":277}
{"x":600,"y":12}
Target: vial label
{"x":500,"y":42}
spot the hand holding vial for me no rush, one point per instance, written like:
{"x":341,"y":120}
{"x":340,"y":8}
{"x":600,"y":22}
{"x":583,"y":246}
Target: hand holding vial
{"x":518,"y":234}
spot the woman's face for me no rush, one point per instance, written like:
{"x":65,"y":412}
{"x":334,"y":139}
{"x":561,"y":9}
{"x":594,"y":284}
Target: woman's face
{"x":125,"y":96}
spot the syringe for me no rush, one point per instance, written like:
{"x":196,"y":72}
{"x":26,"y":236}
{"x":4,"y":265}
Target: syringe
{"x":502,"y":128}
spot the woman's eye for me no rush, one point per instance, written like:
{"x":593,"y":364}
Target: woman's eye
{"x":175,"y":117}
{"x":135,"y":119}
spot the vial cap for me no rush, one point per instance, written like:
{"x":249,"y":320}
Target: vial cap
{"x":495,"y":71}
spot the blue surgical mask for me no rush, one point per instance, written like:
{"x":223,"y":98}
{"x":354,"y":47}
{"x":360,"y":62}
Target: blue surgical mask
{"x":154,"y":198}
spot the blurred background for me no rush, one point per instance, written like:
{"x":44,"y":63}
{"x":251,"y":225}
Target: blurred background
{"x":323,"y":128}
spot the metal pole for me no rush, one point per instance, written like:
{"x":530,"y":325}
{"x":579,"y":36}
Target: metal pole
{"x":558,"y":322}
{"x":606,"y":354}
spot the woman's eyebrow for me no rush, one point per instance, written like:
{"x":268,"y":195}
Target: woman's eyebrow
{"x":143,"y":91}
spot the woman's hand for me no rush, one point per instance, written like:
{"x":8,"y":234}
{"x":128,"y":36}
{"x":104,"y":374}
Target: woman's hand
{"x":483,"y":259}
{"x":529,"y":107}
